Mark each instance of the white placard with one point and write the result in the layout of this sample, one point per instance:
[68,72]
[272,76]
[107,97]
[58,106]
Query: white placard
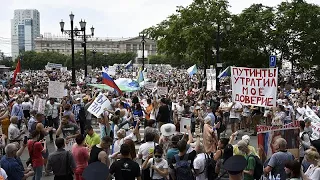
[63,69]
[99,104]
[184,122]
[112,70]
[134,73]
[254,86]
[149,85]
[211,79]
[42,106]
[94,80]
[144,103]
[162,90]
[315,122]
[174,105]
[36,103]
[56,89]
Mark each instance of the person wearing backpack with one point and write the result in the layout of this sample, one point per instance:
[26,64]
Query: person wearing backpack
[202,163]
[182,163]
[251,170]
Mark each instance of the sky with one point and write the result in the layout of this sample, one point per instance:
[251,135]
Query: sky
[111,18]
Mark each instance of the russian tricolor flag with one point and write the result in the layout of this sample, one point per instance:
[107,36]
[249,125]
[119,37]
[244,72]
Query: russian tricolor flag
[107,80]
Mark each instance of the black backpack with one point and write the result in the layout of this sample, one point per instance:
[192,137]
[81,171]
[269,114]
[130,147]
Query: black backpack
[258,168]
[183,170]
[210,168]
[82,114]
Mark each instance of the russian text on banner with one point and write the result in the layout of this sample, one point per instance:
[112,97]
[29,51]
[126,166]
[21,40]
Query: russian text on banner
[267,136]
[254,86]
[99,104]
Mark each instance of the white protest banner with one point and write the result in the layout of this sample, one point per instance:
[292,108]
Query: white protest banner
[254,86]
[112,70]
[42,106]
[310,114]
[144,103]
[63,69]
[149,85]
[36,103]
[211,79]
[99,104]
[174,105]
[315,122]
[184,122]
[162,90]
[56,89]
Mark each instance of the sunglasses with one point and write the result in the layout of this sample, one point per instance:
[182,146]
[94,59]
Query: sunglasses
[157,156]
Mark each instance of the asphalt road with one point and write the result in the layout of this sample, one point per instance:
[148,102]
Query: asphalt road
[51,148]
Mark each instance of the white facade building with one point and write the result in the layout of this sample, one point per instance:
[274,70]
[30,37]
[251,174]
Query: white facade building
[25,27]
[62,44]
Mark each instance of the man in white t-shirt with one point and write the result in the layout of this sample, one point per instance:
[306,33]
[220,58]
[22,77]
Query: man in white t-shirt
[300,110]
[235,115]
[199,165]
[289,112]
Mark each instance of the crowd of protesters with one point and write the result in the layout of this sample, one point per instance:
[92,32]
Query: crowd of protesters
[212,147]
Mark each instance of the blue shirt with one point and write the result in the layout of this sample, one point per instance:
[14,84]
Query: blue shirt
[13,168]
[171,152]
[212,117]
[75,111]
[17,111]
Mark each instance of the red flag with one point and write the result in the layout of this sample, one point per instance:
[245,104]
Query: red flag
[16,71]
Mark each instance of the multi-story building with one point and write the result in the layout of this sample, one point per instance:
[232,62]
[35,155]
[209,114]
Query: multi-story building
[25,27]
[62,44]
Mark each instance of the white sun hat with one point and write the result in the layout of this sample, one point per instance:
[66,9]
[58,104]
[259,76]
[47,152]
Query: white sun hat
[168,129]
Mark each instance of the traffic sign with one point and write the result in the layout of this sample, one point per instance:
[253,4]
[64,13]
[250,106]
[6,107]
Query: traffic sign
[273,61]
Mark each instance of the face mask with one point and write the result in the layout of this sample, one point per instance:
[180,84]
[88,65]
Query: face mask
[157,159]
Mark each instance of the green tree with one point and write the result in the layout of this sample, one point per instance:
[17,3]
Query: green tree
[191,32]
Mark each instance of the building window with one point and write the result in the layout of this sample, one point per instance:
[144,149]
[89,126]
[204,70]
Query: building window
[48,45]
[118,46]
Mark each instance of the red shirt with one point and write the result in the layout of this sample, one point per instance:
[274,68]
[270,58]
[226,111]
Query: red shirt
[37,159]
[81,155]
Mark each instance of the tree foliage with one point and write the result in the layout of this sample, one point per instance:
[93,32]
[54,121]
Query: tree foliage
[37,60]
[290,30]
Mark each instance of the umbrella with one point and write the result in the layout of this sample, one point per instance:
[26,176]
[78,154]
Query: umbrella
[96,171]
[102,86]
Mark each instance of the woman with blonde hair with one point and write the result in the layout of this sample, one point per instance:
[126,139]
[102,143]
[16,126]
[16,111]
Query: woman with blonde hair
[313,157]
[209,137]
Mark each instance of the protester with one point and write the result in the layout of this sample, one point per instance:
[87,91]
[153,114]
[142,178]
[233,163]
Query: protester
[36,148]
[61,162]
[158,165]
[92,138]
[313,157]
[279,159]
[15,135]
[100,151]
[293,169]
[52,115]
[125,168]
[13,168]
[81,156]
